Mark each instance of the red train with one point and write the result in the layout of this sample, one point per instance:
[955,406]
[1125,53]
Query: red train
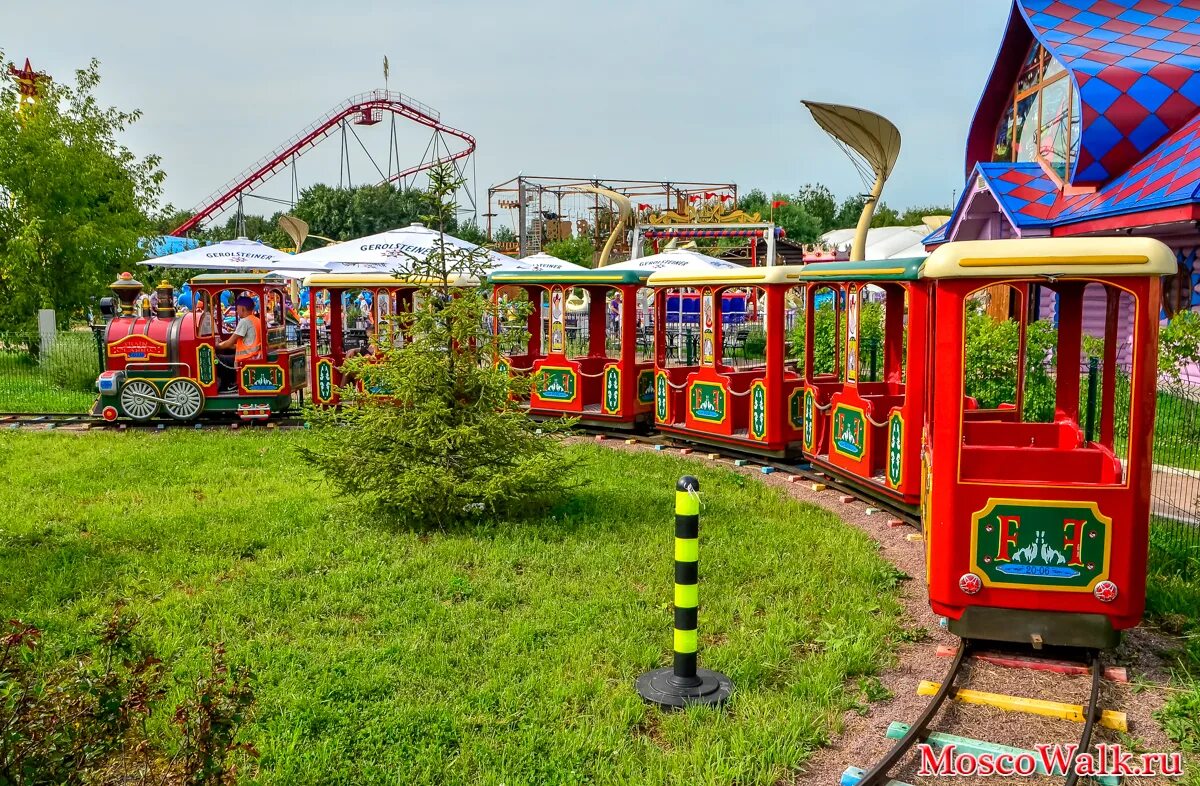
[1035,509]
[1035,505]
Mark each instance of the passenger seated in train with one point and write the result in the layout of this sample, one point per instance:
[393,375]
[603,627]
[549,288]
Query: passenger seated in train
[244,341]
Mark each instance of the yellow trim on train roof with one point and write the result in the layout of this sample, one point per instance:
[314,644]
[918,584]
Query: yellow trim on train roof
[1051,257]
[814,270]
[744,277]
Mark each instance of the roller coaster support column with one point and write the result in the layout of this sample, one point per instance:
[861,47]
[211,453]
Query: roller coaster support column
[683,683]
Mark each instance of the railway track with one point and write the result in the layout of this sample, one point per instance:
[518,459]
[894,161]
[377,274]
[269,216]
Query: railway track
[43,421]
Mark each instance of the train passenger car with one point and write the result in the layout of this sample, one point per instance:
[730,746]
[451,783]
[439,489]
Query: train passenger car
[1036,510]
[169,363]
[723,380]
[586,342]
[350,313]
[863,397]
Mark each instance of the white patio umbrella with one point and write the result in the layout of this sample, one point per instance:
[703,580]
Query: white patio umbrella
[677,260]
[541,261]
[240,254]
[395,249]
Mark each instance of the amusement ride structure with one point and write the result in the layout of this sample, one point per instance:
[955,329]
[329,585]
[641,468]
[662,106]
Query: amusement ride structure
[447,145]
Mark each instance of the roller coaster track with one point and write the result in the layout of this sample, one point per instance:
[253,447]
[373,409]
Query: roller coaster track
[365,106]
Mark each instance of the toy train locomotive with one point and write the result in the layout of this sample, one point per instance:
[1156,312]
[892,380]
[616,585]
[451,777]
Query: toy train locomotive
[169,364]
[1035,508]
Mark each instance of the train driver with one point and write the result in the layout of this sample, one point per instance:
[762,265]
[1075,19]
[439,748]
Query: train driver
[244,341]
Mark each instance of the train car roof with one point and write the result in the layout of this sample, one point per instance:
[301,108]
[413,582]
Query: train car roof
[1051,258]
[869,270]
[746,276]
[241,278]
[382,280]
[571,277]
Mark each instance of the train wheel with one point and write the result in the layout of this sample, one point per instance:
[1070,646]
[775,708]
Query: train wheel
[183,399]
[139,399]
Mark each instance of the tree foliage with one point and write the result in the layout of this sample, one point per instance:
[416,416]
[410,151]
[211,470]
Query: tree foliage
[74,202]
[573,249]
[434,436]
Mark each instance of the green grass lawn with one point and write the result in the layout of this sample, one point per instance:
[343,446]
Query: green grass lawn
[1172,602]
[496,654]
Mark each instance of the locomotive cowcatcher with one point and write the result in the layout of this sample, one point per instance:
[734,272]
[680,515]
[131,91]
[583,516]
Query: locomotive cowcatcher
[170,363]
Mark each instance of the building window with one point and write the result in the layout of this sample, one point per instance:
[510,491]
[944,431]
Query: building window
[1042,121]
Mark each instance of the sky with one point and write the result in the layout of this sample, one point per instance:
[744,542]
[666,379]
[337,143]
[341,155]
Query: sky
[704,90]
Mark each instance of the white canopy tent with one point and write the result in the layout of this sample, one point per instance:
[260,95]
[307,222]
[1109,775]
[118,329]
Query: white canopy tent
[239,254]
[679,260]
[395,250]
[539,261]
[883,242]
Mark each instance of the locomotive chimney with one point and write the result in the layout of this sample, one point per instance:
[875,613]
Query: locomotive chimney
[128,290]
[166,300]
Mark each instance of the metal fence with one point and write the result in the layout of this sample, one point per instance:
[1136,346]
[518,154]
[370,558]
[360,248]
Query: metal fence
[48,375]
[1175,488]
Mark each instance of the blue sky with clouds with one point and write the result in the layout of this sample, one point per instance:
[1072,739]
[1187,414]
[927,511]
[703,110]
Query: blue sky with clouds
[703,90]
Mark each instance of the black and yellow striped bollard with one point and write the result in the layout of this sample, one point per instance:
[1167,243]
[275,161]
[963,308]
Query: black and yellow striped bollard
[684,683]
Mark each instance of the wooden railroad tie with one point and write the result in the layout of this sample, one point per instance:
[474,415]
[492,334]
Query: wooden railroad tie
[937,741]
[766,470]
[660,447]
[1109,719]
[740,462]
[894,523]
[914,537]
[1110,673]
[846,499]
[631,442]
[818,487]
[714,456]
[794,478]
[599,437]
[686,451]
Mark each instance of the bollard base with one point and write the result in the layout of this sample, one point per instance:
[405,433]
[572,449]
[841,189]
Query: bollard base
[658,687]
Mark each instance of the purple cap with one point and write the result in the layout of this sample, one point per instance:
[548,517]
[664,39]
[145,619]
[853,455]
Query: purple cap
[245,302]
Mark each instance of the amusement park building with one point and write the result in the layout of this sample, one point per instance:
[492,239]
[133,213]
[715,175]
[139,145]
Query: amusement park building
[1090,125]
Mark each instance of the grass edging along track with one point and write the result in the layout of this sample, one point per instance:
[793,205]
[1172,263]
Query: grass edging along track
[504,653]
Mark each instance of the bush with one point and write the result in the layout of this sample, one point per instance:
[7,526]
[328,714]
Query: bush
[72,362]
[870,333]
[991,359]
[85,721]
[441,438]
[1179,343]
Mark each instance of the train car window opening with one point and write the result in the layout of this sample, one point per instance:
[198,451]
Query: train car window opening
[645,325]
[1038,403]
[202,313]
[1105,365]
[679,331]
[997,355]
[744,329]
[825,321]
[614,319]
[514,312]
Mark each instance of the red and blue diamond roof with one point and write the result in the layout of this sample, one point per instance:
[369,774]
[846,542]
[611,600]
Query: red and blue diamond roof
[1136,67]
